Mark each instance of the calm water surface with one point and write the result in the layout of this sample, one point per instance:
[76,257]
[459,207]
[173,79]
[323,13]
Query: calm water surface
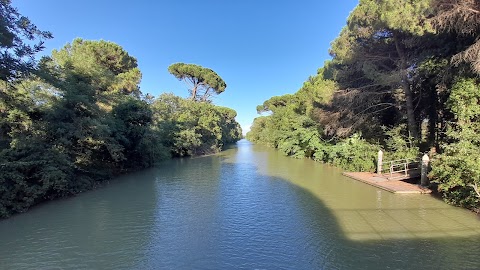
[246,208]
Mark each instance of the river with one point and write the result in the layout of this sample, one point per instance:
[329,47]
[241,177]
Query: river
[248,207]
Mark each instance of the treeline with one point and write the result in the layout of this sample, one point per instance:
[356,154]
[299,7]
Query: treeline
[404,77]
[78,117]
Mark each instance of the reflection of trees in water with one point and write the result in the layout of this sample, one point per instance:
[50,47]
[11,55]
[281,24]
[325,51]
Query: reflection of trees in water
[100,229]
[366,224]
[261,211]
[187,208]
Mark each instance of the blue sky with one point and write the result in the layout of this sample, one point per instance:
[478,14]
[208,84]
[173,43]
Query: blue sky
[260,48]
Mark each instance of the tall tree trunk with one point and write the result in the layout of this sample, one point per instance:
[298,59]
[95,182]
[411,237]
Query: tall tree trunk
[412,126]
[432,117]
[194,92]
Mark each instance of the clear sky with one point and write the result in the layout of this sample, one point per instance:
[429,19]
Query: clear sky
[261,48]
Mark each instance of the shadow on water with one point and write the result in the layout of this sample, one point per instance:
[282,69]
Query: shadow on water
[372,228]
[246,208]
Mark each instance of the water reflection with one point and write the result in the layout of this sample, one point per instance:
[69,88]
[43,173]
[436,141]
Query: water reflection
[90,229]
[364,212]
[247,208]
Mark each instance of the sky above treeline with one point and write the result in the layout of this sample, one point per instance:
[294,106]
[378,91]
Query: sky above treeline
[260,48]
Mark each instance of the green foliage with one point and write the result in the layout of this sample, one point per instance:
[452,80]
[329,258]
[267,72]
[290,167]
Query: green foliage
[400,145]
[316,91]
[194,128]
[20,40]
[131,122]
[377,57]
[401,75]
[464,101]
[296,135]
[31,173]
[404,74]
[81,120]
[105,66]
[258,131]
[203,82]
[458,166]
[455,170]
[290,129]
[350,154]
[398,15]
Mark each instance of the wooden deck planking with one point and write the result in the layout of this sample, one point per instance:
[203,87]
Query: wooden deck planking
[394,186]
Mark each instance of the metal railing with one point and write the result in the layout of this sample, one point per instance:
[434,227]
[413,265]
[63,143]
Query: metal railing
[401,169]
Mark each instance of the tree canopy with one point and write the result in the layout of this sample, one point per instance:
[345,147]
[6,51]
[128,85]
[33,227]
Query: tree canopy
[20,40]
[110,69]
[80,118]
[463,18]
[404,77]
[203,82]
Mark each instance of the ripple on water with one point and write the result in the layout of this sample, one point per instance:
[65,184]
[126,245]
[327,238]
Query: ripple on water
[246,208]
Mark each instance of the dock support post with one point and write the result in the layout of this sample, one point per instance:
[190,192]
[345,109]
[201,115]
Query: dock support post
[379,162]
[425,162]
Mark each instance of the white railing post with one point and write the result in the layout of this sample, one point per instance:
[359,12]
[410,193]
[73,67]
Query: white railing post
[424,171]
[379,162]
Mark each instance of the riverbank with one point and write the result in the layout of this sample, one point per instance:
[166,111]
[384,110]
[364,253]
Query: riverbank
[99,183]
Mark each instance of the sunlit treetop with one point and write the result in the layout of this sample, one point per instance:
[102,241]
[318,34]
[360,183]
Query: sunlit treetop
[203,82]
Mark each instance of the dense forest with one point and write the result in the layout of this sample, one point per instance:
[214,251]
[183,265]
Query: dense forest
[404,77]
[76,118]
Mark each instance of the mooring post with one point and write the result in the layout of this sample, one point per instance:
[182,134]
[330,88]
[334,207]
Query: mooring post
[379,162]
[425,162]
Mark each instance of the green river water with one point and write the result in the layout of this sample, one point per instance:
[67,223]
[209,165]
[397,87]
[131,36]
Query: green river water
[248,207]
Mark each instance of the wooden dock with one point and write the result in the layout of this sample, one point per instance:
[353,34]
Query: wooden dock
[394,186]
